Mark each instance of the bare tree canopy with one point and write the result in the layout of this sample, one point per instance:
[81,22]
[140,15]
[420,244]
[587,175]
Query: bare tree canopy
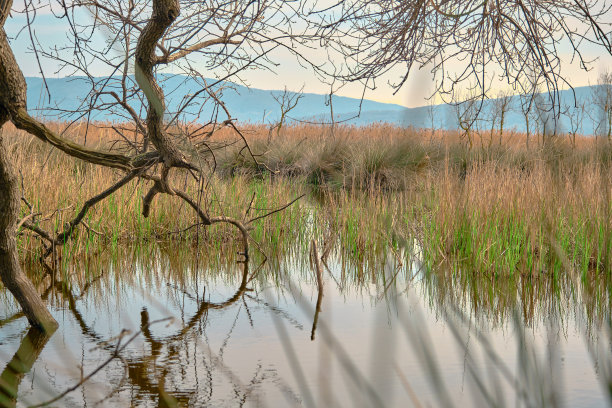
[141,36]
[524,41]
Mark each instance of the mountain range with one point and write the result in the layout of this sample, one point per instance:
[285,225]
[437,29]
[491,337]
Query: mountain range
[257,105]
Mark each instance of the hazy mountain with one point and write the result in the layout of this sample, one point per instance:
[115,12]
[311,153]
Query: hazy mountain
[257,105]
[245,104]
[445,116]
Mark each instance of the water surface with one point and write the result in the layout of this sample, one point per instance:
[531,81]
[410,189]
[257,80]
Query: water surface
[386,334]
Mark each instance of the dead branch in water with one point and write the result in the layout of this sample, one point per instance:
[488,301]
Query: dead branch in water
[319,274]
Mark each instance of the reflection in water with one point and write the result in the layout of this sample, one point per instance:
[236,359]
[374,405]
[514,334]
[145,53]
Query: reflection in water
[30,348]
[316,263]
[239,338]
[139,368]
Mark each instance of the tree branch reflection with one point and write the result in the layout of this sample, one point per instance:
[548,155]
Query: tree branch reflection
[30,348]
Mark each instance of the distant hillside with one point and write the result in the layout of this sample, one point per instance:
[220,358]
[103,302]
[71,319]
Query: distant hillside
[445,117]
[257,105]
[245,104]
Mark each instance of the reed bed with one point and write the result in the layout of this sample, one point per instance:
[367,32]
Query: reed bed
[498,209]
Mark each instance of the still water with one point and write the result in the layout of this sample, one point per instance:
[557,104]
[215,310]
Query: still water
[385,334]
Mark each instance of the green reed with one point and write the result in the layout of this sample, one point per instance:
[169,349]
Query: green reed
[498,211]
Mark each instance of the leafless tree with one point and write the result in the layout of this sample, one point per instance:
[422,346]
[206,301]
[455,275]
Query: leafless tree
[501,106]
[530,88]
[546,122]
[465,41]
[467,111]
[527,111]
[143,37]
[431,115]
[329,101]
[287,101]
[602,102]
[575,114]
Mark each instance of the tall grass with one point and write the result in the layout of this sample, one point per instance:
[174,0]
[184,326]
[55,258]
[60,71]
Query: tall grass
[498,210]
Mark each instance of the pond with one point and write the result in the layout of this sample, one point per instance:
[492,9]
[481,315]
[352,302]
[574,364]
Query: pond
[148,328]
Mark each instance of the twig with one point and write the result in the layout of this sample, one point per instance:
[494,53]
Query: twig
[91,229]
[24,220]
[407,387]
[275,211]
[118,349]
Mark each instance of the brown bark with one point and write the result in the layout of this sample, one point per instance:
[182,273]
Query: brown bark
[13,97]
[22,120]
[11,274]
[12,82]
[164,13]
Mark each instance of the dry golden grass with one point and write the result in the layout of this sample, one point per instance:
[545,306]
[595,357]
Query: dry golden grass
[497,208]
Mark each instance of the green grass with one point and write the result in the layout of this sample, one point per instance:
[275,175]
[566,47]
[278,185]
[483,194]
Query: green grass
[501,211]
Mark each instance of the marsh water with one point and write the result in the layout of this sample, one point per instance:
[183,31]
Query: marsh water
[159,329]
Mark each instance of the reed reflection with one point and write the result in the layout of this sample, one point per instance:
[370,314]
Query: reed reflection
[201,360]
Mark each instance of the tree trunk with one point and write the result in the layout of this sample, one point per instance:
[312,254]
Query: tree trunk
[12,98]
[501,126]
[164,14]
[11,274]
[609,115]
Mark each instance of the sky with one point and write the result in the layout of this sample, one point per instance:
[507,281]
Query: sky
[50,31]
